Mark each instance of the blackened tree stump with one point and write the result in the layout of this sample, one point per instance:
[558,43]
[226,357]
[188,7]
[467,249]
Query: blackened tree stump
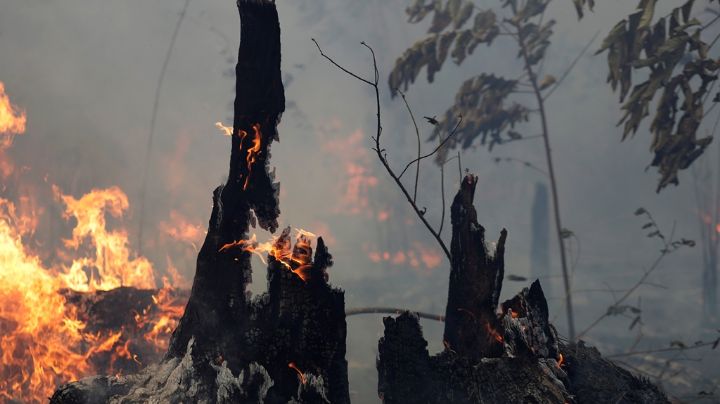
[284,346]
[507,353]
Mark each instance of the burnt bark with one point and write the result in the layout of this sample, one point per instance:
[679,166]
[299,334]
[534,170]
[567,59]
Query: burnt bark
[475,281]
[286,345]
[494,353]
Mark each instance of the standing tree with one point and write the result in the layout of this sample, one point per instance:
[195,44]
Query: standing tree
[490,104]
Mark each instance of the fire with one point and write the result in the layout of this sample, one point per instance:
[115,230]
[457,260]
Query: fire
[44,341]
[253,151]
[717,228]
[297,259]
[357,180]
[561,360]
[12,118]
[301,376]
[111,267]
[227,131]
[419,256]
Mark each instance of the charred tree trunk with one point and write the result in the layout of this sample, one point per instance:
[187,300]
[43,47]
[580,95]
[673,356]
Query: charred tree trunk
[475,281]
[494,354]
[287,345]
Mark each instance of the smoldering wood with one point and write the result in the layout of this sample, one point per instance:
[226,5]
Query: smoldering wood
[495,353]
[286,345]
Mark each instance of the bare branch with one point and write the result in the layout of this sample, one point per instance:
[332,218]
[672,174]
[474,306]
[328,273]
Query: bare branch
[381,153]
[391,310]
[419,143]
[460,119]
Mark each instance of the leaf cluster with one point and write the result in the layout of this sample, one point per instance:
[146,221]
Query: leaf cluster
[457,27]
[671,59]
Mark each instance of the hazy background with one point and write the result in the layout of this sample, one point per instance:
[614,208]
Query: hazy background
[86,73]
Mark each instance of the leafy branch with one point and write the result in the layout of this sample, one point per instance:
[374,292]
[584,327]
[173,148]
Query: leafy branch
[669,246]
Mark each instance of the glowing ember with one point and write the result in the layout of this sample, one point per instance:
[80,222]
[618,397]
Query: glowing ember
[12,119]
[301,376]
[560,360]
[499,338]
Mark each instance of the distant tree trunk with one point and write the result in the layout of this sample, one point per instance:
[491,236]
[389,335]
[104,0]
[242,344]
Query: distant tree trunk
[707,199]
[540,245]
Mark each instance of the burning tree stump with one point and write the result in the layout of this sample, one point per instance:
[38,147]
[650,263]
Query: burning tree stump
[505,354]
[287,345]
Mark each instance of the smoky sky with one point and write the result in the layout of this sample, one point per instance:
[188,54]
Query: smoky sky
[85,72]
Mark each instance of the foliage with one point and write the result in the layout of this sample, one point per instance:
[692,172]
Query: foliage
[672,58]
[484,100]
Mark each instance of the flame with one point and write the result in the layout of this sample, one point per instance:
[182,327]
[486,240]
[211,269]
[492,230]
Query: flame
[297,259]
[226,130]
[301,376]
[12,119]
[253,151]
[419,256]
[44,338]
[561,360]
[44,341]
[111,267]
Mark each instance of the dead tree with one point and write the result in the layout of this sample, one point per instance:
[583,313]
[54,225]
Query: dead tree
[495,353]
[287,345]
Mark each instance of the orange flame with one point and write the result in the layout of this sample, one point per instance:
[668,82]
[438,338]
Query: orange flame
[112,266]
[301,376]
[561,360]
[253,151]
[297,260]
[12,119]
[43,339]
[226,130]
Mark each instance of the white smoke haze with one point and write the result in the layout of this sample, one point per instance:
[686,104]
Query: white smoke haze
[86,71]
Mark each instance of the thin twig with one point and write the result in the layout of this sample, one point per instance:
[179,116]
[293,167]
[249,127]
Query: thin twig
[572,66]
[661,350]
[668,248]
[381,153]
[391,310]
[442,191]
[460,119]
[419,143]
